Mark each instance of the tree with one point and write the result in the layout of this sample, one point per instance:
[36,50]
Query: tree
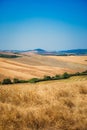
[34,80]
[47,78]
[6,81]
[65,75]
[57,76]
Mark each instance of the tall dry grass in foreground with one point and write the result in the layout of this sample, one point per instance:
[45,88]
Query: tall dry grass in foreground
[54,105]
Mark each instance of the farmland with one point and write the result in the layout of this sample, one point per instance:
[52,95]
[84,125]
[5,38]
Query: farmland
[32,65]
[49,105]
[46,105]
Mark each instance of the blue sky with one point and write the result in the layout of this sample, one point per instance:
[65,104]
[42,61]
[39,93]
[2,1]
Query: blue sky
[47,24]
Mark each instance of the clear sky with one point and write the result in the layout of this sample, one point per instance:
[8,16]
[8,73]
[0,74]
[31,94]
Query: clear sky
[47,24]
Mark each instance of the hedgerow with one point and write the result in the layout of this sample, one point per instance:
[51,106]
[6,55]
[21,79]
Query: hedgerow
[45,78]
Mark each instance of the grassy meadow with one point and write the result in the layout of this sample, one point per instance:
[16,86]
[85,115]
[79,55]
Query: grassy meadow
[49,105]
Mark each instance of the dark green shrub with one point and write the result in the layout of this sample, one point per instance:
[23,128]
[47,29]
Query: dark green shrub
[6,81]
[19,81]
[84,72]
[47,78]
[16,80]
[23,81]
[77,74]
[56,77]
[65,75]
[8,56]
[34,80]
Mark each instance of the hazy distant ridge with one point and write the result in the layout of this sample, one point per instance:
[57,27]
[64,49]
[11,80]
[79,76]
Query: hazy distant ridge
[45,52]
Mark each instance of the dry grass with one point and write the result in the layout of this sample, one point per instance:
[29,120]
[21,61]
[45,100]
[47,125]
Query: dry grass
[26,67]
[13,69]
[74,59]
[52,105]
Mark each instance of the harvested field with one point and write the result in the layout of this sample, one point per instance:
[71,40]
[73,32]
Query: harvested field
[29,66]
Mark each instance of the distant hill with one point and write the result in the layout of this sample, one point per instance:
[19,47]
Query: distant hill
[39,51]
[75,52]
[45,52]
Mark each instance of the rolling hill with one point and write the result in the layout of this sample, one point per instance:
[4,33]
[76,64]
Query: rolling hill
[49,105]
[30,65]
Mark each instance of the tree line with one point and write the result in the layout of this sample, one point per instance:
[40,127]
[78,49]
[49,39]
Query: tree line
[45,78]
[8,56]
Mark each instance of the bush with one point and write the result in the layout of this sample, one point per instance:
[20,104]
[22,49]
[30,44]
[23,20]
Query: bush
[84,72]
[65,75]
[8,56]
[56,77]
[19,81]
[34,80]
[16,80]
[6,81]
[77,74]
[23,81]
[47,78]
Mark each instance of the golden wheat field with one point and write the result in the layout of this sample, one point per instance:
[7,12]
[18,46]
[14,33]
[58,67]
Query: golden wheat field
[32,65]
[50,105]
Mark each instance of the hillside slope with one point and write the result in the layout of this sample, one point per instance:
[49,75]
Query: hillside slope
[29,66]
[51,105]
